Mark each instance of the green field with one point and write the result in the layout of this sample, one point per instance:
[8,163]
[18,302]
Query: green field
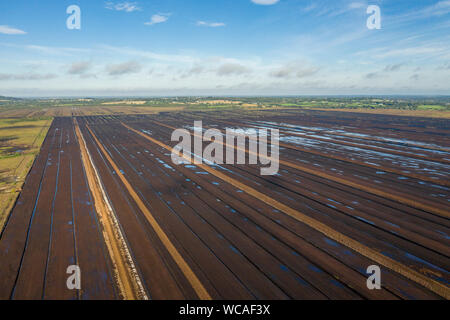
[432,107]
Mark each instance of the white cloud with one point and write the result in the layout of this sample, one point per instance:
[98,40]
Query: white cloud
[158,18]
[10,30]
[309,8]
[79,68]
[147,54]
[393,67]
[123,68]
[440,8]
[228,69]
[49,50]
[27,76]
[210,24]
[413,51]
[296,69]
[340,9]
[265,2]
[56,50]
[372,75]
[356,5]
[122,6]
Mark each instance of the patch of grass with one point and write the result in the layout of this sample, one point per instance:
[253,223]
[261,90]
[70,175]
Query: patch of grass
[431,107]
[20,142]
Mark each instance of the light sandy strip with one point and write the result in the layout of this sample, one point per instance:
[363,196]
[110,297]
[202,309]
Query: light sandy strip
[379,258]
[182,264]
[407,201]
[126,275]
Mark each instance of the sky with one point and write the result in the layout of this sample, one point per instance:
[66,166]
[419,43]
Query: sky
[224,47]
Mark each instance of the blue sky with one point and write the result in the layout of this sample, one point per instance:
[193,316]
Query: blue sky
[224,47]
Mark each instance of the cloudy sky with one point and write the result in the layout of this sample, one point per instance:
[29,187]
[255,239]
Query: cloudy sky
[224,47]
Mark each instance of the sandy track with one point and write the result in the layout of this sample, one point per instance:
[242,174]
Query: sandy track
[128,280]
